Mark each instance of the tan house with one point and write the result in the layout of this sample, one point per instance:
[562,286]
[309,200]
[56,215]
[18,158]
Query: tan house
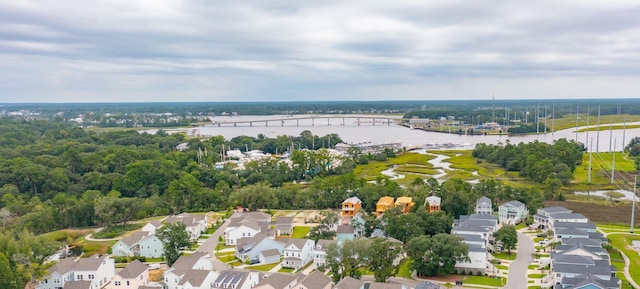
[385,203]
[350,207]
[405,204]
[433,204]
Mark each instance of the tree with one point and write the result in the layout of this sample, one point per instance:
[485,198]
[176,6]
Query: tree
[436,255]
[381,257]
[5,216]
[174,238]
[508,236]
[344,260]
[323,230]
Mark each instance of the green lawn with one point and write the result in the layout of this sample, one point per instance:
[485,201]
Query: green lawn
[569,120]
[300,231]
[264,267]
[115,231]
[610,228]
[222,246]
[285,270]
[404,271]
[532,267]
[235,263]
[622,242]
[505,256]
[228,258]
[537,276]
[485,280]
[502,267]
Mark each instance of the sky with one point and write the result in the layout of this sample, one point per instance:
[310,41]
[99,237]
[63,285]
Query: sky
[203,50]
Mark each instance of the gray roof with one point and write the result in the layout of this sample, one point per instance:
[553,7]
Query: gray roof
[583,269]
[476,248]
[135,238]
[284,221]
[156,223]
[277,280]
[478,229]
[195,277]
[377,285]
[299,243]
[83,284]
[483,200]
[427,285]
[482,217]
[573,259]
[248,221]
[260,216]
[471,238]
[270,252]
[586,279]
[515,203]
[90,264]
[582,226]
[323,243]
[186,263]
[345,229]
[478,222]
[349,283]
[583,242]
[62,267]
[232,277]
[571,231]
[573,216]
[353,200]
[554,210]
[317,279]
[133,270]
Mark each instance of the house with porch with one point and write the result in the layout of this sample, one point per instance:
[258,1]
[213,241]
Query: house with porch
[350,207]
[136,274]
[512,213]
[484,206]
[298,253]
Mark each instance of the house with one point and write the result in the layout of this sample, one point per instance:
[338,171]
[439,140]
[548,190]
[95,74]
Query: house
[349,283]
[195,261]
[151,227]
[357,222]
[298,253]
[405,204]
[269,256]
[284,226]
[345,232]
[277,281]
[477,263]
[432,203]
[249,249]
[236,279]
[98,270]
[142,243]
[427,285]
[383,204]
[58,275]
[484,206]
[512,213]
[350,207]
[589,281]
[133,276]
[316,280]
[198,279]
[241,228]
[320,253]
[378,285]
[194,224]
[259,216]
[542,219]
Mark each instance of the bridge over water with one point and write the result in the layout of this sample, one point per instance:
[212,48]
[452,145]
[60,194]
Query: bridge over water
[320,120]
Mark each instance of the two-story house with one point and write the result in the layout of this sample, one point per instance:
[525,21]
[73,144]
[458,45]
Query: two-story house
[195,261]
[320,253]
[194,224]
[315,280]
[512,213]
[239,228]
[58,275]
[405,204]
[136,274]
[350,207]
[249,249]
[141,243]
[484,206]
[236,279]
[433,203]
[383,204]
[94,272]
[198,279]
[284,226]
[298,253]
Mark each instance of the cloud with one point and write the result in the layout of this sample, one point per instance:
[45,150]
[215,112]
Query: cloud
[149,50]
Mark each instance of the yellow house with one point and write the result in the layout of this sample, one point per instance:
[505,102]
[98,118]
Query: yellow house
[385,203]
[405,204]
[351,206]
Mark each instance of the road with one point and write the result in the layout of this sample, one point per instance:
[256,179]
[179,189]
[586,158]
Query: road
[518,269]
[210,244]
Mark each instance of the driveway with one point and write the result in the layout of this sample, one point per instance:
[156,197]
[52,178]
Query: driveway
[518,269]
[209,246]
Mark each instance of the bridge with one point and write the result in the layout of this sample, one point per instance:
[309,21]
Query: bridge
[364,120]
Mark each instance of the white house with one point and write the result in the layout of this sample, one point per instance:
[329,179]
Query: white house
[133,276]
[241,228]
[298,253]
[139,244]
[284,226]
[512,213]
[250,248]
[198,279]
[195,261]
[194,224]
[484,206]
[58,275]
[320,253]
[92,273]
[477,261]
[315,280]
[236,279]
[151,227]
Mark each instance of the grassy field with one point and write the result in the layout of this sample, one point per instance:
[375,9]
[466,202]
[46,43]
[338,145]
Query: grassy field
[569,120]
[264,267]
[622,242]
[66,235]
[505,256]
[404,271]
[600,211]
[115,231]
[484,280]
[300,231]
[405,162]
[604,127]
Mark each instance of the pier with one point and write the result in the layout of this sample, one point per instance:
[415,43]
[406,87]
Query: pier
[320,120]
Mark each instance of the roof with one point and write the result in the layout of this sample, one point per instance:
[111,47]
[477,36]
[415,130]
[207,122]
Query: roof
[84,284]
[482,217]
[568,216]
[571,231]
[582,226]
[585,279]
[317,279]
[515,203]
[404,200]
[345,229]
[427,285]
[483,200]
[246,244]
[554,210]
[133,270]
[62,267]
[299,243]
[349,283]
[232,277]
[385,201]
[476,248]
[90,264]
[156,223]
[185,263]
[434,200]
[194,277]
[277,280]
[249,222]
[270,252]
[256,215]
[471,238]
[284,221]
[583,242]
[573,259]
[377,285]
[352,200]
[135,238]
[323,243]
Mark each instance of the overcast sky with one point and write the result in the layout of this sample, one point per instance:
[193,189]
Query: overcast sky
[203,50]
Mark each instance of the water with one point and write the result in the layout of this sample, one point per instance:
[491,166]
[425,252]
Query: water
[382,133]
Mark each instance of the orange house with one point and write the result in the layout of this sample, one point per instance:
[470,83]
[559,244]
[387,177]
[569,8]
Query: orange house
[433,204]
[385,203]
[350,207]
[405,204]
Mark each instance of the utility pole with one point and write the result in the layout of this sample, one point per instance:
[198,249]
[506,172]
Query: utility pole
[598,133]
[590,159]
[613,164]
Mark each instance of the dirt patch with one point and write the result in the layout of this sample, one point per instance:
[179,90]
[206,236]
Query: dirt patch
[600,213]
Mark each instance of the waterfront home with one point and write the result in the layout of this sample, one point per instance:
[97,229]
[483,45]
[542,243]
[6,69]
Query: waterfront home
[512,213]
[484,206]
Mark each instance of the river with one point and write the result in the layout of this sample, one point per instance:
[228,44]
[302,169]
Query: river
[350,131]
